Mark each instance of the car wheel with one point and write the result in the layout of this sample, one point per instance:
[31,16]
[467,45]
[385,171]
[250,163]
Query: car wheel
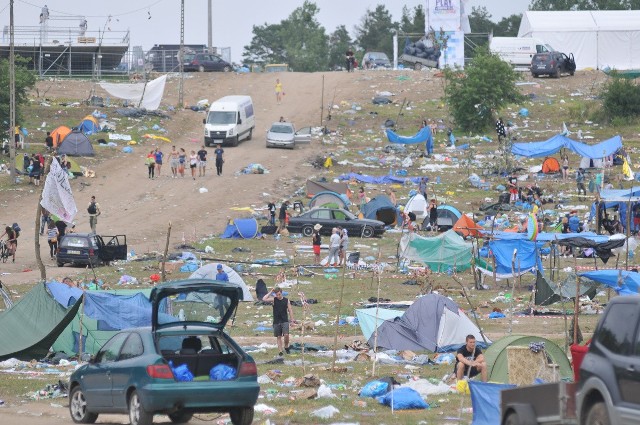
[201,68]
[571,73]
[226,69]
[235,141]
[137,414]
[78,407]
[598,415]
[307,231]
[512,419]
[556,74]
[367,232]
[250,134]
[60,263]
[417,66]
[180,417]
[535,75]
[241,416]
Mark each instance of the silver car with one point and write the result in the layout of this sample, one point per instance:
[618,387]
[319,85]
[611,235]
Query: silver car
[284,134]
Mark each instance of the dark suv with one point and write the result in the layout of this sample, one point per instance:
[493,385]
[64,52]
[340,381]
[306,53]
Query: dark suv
[202,62]
[610,371]
[552,64]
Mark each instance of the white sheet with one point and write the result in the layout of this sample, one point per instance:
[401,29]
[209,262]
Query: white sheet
[148,97]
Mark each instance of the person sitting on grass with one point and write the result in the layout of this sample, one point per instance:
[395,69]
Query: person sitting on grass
[470,360]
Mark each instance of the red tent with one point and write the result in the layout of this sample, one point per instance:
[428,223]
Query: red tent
[465,226]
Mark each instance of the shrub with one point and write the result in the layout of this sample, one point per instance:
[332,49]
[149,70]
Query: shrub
[620,98]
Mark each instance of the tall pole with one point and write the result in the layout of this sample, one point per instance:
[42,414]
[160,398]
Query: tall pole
[209,21]
[181,57]
[12,99]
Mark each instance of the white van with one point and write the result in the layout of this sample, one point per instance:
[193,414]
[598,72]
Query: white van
[229,120]
[518,51]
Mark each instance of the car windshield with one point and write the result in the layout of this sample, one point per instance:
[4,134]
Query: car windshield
[189,57]
[378,56]
[193,306]
[77,242]
[279,128]
[221,117]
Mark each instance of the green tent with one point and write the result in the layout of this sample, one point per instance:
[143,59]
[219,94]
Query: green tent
[496,356]
[93,338]
[30,327]
[440,253]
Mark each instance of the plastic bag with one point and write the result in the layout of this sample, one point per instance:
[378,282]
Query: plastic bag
[182,372]
[403,398]
[374,389]
[325,412]
[222,372]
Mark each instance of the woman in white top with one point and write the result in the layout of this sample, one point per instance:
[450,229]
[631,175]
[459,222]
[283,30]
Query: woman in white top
[193,163]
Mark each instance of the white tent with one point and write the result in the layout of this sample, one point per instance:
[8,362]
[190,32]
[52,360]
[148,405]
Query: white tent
[209,271]
[417,204]
[597,38]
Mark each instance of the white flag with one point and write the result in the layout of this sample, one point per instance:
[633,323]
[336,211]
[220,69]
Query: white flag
[57,197]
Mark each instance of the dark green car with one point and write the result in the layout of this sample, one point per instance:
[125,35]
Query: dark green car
[183,364]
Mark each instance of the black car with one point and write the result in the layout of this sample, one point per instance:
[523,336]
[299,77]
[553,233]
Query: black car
[202,62]
[552,64]
[83,249]
[334,217]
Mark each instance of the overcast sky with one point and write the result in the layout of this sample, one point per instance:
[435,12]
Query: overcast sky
[158,21]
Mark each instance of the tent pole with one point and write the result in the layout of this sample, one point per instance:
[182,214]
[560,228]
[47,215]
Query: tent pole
[335,335]
[473,309]
[166,251]
[80,328]
[513,288]
[375,335]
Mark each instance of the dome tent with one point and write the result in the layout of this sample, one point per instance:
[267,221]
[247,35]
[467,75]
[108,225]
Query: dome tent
[209,271]
[496,356]
[550,165]
[59,134]
[76,144]
[380,208]
[329,199]
[241,228]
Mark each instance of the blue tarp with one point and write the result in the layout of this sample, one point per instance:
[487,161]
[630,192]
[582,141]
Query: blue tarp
[630,280]
[118,311]
[547,237]
[526,258]
[485,400]
[64,294]
[370,209]
[559,141]
[388,179]
[422,136]
[241,228]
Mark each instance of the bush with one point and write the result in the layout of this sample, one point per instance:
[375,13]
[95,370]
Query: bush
[487,84]
[620,98]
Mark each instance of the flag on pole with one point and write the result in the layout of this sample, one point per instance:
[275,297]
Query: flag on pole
[57,197]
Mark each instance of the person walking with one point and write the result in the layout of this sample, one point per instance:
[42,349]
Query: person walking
[94,211]
[580,182]
[193,164]
[565,167]
[362,198]
[501,130]
[282,315]
[158,157]
[279,91]
[182,161]
[221,275]
[334,247]
[48,142]
[219,153]
[52,238]
[422,187]
[344,245]
[271,206]
[45,219]
[282,217]
[151,164]
[202,162]
[433,215]
[316,241]
[173,162]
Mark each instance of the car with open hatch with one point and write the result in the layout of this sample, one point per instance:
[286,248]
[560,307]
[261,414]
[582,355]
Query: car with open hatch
[329,218]
[552,64]
[90,249]
[284,135]
[182,364]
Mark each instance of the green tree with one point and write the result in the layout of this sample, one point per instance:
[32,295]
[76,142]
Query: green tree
[487,84]
[305,40]
[620,98]
[480,20]
[266,45]
[553,5]
[413,22]
[375,31]
[339,43]
[508,27]
[25,81]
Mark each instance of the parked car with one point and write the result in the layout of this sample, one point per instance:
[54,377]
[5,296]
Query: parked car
[202,62]
[284,135]
[552,64]
[372,60]
[277,67]
[136,371]
[84,249]
[334,217]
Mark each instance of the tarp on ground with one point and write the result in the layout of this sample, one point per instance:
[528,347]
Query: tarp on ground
[330,199]
[622,281]
[59,134]
[209,271]
[441,253]
[76,143]
[559,141]
[433,323]
[548,293]
[32,325]
[496,356]
[465,226]
[485,401]
[386,179]
[380,208]
[315,187]
[147,95]
[367,318]
[241,228]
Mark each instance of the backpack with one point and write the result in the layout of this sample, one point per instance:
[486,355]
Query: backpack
[92,208]
[17,229]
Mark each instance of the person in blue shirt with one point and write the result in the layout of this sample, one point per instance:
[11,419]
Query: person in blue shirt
[221,275]
[219,153]
[574,222]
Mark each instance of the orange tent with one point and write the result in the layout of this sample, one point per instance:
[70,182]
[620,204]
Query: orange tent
[465,226]
[59,134]
[550,165]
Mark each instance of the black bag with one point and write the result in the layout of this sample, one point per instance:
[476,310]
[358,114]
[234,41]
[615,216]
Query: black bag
[92,208]
[16,228]
[269,230]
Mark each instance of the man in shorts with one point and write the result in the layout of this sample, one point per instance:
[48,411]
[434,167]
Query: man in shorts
[202,163]
[469,356]
[282,314]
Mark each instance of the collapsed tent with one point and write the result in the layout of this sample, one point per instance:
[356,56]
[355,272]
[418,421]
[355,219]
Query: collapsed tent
[603,249]
[241,228]
[465,226]
[433,323]
[547,293]
[209,271]
[315,187]
[88,125]
[146,95]
[387,179]
[559,141]
[32,325]
[330,199]
[624,282]
[550,165]
[440,253]
[380,208]
[526,259]
[59,134]
[369,322]
[76,143]
[496,356]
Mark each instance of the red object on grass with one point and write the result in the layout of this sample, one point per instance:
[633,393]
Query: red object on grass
[577,355]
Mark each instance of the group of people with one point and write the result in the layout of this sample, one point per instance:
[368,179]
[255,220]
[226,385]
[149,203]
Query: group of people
[338,245]
[178,160]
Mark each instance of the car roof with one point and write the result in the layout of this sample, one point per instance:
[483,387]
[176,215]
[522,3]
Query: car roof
[288,124]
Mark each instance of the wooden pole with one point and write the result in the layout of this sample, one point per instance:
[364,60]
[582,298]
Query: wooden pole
[335,335]
[322,101]
[166,251]
[473,309]
[375,335]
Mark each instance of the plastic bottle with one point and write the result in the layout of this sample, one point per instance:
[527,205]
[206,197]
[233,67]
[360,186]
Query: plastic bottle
[438,180]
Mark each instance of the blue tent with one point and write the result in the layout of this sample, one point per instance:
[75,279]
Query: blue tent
[88,126]
[241,228]
[422,136]
[629,281]
[380,208]
[618,198]
[559,141]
